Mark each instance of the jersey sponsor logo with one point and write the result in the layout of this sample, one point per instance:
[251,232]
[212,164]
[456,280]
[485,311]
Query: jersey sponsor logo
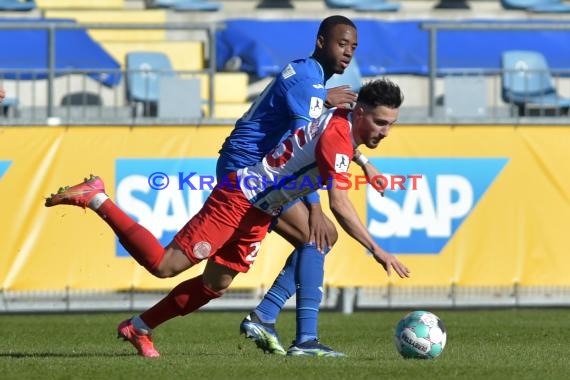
[318,86]
[288,72]
[425,219]
[341,163]
[316,107]
[162,212]
[4,165]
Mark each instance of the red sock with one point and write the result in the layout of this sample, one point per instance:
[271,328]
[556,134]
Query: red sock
[185,298]
[136,239]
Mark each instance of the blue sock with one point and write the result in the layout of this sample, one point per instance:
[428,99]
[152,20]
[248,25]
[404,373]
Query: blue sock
[281,290]
[309,280]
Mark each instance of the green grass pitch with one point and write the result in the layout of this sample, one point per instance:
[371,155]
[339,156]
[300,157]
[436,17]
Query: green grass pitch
[482,344]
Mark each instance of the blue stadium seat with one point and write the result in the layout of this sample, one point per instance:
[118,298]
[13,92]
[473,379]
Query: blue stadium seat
[144,70]
[351,76]
[17,5]
[376,6]
[364,5]
[341,3]
[550,8]
[537,6]
[527,83]
[188,5]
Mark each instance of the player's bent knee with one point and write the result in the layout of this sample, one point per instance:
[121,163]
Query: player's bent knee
[218,277]
[173,263]
[162,272]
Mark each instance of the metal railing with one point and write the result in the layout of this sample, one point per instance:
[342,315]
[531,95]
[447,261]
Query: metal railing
[51,71]
[41,96]
[434,27]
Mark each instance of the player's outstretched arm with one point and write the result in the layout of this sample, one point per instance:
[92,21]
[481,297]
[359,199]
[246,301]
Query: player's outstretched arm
[346,215]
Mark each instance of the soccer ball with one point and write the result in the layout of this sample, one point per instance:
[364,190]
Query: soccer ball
[420,335]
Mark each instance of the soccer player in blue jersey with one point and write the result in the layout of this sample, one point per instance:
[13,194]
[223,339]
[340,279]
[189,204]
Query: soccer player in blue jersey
[296,96]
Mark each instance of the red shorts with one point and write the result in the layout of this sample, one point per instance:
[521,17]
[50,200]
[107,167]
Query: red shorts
[228,229]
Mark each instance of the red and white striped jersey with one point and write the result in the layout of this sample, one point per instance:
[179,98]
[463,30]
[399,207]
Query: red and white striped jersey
[305,161]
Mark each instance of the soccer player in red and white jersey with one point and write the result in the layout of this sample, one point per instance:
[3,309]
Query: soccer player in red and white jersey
[228,230]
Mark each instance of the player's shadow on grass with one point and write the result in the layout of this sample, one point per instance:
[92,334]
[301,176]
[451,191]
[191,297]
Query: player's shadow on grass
[28,355]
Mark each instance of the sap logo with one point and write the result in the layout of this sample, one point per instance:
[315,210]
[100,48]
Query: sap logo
[4,165]
[162,212]
[423,220]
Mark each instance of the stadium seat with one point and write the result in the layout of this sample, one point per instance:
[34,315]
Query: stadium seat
[184,55]
[376,6]
[523,4]
[144,70]
[351,76]
[17,5]
[272,4]
[364,5]
[550,8]
[187,5]
[537,6]
[340,3]
[82,98]
[528,85]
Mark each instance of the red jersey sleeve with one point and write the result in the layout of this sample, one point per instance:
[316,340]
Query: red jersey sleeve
[334,151]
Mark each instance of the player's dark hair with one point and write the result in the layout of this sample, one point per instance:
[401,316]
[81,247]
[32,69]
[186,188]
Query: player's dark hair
[330,22]
[381,92]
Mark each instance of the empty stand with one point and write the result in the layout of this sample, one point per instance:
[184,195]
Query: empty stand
[340,3]
[123,16]
[269,4]
[187,5]
[184,55]
[528,84]
[376,6]
[537,6]
[558,7]
[17,5]
[364,5]
[144,70]
[82,98]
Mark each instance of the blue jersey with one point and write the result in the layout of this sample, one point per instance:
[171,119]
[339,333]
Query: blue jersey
[294,97]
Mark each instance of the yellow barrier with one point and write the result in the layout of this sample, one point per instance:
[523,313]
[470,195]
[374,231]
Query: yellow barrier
[492,211]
